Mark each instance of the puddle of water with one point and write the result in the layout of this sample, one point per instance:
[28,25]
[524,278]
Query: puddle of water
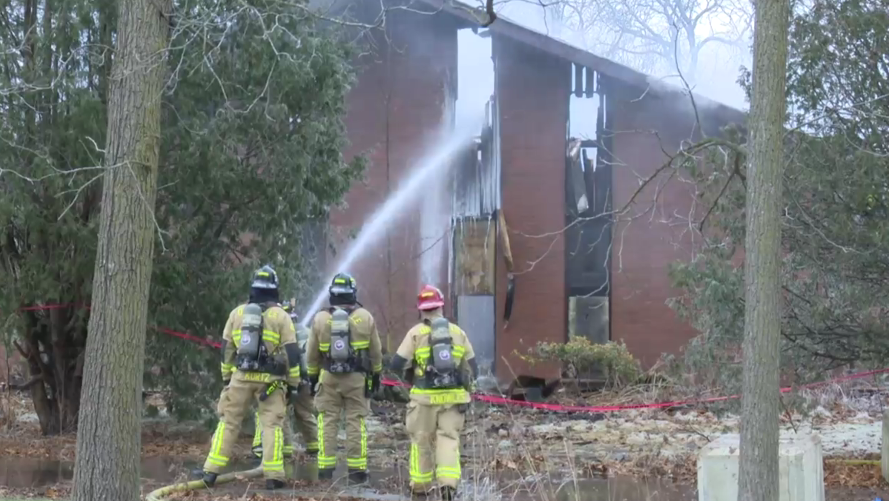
[391,484]
[20,473]
[387,485]
[23,472]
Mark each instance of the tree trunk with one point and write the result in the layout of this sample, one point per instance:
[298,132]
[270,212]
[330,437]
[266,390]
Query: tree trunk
[762,316]
[54,353]
[108,438]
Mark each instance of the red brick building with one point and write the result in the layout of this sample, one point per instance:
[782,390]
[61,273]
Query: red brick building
[573,258]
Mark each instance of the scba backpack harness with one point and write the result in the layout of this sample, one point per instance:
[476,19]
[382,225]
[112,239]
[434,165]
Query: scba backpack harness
[252,354]
[441,367]
[342,358]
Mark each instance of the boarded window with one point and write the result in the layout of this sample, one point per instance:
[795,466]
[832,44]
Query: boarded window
[474,251]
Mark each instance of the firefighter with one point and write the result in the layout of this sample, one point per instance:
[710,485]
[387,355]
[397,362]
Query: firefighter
[344,359]
[443,369]
[303,407]
[260,361]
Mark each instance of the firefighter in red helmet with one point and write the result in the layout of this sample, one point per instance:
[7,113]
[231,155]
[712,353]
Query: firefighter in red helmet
[440,357]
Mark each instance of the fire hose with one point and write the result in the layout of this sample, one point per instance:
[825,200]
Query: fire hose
[159,494]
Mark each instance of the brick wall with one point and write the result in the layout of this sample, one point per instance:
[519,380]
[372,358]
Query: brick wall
[399,100]
[403,94]
[533,93]
[658,235]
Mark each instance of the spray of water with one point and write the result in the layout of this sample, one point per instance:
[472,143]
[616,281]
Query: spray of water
[446,144]
[434,224]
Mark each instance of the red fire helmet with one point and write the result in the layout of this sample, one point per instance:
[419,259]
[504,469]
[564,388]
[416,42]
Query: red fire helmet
[429,298]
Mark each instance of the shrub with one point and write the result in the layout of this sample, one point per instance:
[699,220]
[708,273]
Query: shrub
[580,356]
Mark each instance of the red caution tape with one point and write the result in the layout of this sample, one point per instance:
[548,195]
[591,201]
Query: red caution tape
[189,337]
[495,400]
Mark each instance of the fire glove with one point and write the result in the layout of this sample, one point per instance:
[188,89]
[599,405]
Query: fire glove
[269,389]
[313,383]
[375,383]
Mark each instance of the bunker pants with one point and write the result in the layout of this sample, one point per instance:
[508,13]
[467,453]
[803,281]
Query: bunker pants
[435,444]
[306,424]
[342,393]
[257,436]
[234,403]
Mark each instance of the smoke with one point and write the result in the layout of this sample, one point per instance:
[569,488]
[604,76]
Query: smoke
[475,74]
[717,68]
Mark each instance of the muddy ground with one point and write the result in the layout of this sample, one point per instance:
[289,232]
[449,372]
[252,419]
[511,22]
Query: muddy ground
[508,452]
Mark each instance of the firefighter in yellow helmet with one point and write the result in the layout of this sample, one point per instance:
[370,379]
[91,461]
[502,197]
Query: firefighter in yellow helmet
[443,369]
[345,359]
[303,407]
[260,362]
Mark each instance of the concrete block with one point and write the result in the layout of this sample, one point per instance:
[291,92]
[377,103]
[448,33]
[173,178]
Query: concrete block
[800,469]
[884,448]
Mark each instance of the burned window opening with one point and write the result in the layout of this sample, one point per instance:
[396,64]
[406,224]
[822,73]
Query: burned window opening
[588,210]
[476,198]
[476,178]
[475,73]
[476,175]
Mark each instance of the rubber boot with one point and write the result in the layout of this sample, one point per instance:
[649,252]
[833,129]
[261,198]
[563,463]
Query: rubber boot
[273,484]
[325,474]
[448,493]
[209,479]
[358,477]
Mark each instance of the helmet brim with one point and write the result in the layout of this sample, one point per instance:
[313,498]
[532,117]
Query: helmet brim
[341,290]
[430,305]
[262,284]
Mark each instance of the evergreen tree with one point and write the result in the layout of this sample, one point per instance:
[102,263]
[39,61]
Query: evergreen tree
[250,148]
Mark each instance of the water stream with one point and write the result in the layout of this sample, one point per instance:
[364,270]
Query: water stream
[446,143]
